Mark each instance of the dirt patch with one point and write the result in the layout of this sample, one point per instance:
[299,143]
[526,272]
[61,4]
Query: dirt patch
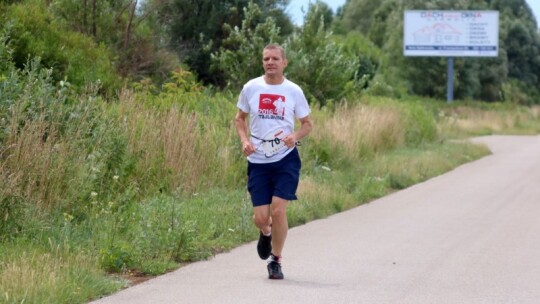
[136,277]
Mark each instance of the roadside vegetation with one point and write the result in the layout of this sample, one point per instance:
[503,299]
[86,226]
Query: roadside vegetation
[129,167]
[95,193]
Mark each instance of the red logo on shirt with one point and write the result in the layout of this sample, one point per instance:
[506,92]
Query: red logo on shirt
[270,104]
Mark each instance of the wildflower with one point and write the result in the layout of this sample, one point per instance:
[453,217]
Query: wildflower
[68,217]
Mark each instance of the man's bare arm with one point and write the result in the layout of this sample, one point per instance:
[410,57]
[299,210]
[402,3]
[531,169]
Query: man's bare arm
[305,128]
[240,122]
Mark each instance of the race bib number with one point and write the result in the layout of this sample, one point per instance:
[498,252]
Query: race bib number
[273,143]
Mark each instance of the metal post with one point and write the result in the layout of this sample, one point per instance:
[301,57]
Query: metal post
[450,85]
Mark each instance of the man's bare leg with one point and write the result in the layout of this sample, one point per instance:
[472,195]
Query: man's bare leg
[280,225]
[262,218]
[263,221]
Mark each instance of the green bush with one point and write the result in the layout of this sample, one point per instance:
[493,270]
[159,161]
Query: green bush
[71,56]
[12,216]
[240,57]
[368,54]
[420,124]
[516,92]
[321,66]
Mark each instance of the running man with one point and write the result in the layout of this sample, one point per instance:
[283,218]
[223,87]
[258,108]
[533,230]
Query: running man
[272,103]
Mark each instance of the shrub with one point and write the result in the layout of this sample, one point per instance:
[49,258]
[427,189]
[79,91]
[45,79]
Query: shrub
[420,124]
[368,54]
[240,57]
[320,65]
[72,56]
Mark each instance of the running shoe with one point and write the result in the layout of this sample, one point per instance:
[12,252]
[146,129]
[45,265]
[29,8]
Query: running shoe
[264,246]
[274,271]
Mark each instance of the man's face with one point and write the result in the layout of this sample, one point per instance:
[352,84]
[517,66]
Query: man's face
[273,63]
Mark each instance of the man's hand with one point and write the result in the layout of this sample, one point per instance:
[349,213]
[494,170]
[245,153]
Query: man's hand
[305,128]
[290,140]
[247,148]
[241,128]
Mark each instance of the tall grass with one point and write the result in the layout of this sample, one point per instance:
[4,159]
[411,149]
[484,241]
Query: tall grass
[36,158]
[182,147]
[55,274]
[360,131]
[473,120]
[363,130]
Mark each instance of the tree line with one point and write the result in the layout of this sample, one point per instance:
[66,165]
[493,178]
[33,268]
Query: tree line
[354,50]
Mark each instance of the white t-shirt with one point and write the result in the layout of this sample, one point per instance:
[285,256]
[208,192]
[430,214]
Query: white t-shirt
[272,110]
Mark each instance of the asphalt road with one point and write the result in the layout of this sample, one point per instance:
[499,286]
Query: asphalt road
[471,235]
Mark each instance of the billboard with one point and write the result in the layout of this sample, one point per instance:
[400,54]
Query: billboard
[451,33]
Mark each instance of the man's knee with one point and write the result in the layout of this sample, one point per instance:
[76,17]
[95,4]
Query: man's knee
[279,208]
[261,216]
[261,219]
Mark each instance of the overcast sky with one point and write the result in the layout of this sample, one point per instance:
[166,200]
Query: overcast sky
[295,8]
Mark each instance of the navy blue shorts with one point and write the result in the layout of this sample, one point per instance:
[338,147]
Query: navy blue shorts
[274,179]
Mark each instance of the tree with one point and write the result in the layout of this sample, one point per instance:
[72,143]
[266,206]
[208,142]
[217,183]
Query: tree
[239,57]
[321,66]
[195,28]
[520,41]
[522,44]
[71,56]
[358,14]
[516,68]
[381,21]
[320,12]
[123,25]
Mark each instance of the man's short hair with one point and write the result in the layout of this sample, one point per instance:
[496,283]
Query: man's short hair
[275,46]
